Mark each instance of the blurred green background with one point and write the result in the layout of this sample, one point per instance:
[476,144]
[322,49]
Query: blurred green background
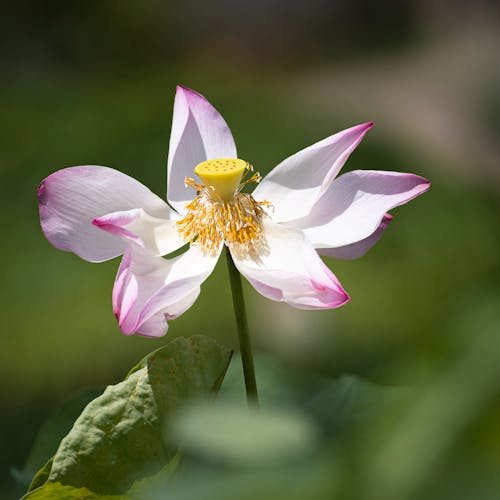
[93,83]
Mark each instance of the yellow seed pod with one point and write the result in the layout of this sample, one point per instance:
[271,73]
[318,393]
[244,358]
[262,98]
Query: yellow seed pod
[223,174]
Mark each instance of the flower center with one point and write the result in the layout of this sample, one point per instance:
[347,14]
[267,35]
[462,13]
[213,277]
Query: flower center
[224,175]
[221,213]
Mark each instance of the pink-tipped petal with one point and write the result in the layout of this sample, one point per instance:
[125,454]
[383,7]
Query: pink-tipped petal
[124,294]
[355,204]
[198,133]
[157,325]
[157,236]
[70,199]
[289,270]
[358,249]
[150,290]
[294,186]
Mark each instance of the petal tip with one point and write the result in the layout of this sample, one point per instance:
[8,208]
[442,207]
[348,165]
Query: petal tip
[188,92]
[422,184]
[336,294]
[122,325]
[127,327]
[40,192]
[127,334]
[362,127]
[342,300]
[346,298]
[97,222]
[182,88]
[426,183]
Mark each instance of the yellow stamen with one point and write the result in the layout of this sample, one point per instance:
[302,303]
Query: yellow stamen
[221,213]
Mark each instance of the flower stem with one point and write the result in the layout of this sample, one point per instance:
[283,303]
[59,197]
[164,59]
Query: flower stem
[243,334]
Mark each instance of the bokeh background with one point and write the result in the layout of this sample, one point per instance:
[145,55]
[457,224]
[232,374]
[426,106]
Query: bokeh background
[93,83]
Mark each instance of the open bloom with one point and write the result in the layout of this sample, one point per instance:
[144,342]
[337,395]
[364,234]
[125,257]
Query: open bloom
[299,210]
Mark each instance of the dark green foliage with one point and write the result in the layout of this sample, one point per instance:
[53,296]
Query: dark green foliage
[119,437]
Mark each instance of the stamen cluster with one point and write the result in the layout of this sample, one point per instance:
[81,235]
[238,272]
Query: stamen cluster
[211,221]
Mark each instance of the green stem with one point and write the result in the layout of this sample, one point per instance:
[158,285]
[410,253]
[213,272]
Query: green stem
[243,334]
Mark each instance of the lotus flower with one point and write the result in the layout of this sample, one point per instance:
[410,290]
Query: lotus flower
[275,234]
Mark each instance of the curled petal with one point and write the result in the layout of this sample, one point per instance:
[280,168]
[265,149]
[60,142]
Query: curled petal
[157,325]
[198,133]
[358,249]
[157,236]
[150,290]
[70,199]
[353,207]
[296,183]
[288,269]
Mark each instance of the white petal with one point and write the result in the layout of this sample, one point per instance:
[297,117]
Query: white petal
[290,270]
[157,236]
[149,290]
[297,182]
[353,207]
[358,249]
[70,199]
[157,325]
[198,133]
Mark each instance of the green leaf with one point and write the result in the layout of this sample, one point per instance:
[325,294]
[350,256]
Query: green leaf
[119,437]
[42,476]
[333,402]
[57,491]
[142,363]
[350,400]
[160,479]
